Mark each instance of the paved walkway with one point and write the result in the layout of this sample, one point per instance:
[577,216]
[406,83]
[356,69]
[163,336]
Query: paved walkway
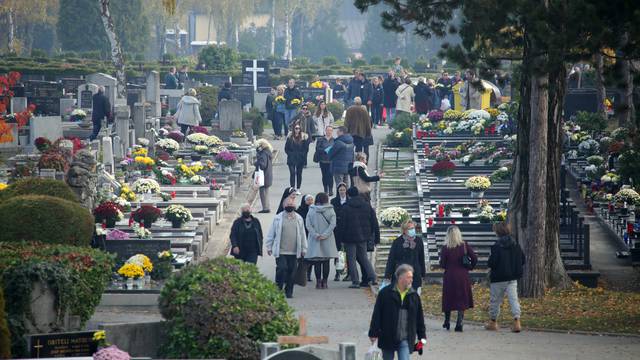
[343,314]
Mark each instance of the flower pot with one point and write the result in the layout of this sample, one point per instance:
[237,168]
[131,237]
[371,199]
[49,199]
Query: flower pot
[176,224]
[147,279]
[129,283]
[138,282]
[477,194]
[111,223]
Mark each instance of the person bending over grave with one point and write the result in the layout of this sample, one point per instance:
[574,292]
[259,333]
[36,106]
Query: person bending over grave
[246,237]
[287,242]
[188,112]
[101,109]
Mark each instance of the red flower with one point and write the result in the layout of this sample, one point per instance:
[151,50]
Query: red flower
[443,168]
[173,194]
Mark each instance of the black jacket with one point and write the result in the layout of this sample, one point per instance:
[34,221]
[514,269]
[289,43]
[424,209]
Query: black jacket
[354,89]
[506,260]
[225,93]
[389,87]
[101,107]
[366,91]
[399,255]
[321,145]
[289,95]
[384,321]
[297,151]
[270,107]
[237,230]
[377,97]
[339,91]
[360,222]
[170,81]
[337,231]
[422,93]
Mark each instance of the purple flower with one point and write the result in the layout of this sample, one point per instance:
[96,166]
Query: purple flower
[226,156]
[117,235]
[176,135]
[435,115]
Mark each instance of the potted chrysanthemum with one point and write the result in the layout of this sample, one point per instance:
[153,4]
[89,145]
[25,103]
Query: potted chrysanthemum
[178,215]
[108,213]
[477,185]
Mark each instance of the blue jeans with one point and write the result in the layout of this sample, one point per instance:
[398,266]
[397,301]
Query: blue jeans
[376,114]
[391,113]
[288,115]
[403,352]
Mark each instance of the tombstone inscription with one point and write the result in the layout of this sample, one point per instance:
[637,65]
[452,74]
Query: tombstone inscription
[242,93]
[255,73]
[45,95]
[124,249]
[70,344]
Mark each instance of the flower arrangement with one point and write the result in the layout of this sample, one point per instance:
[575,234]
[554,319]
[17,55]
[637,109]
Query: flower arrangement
[493,112]
[146,214]
[141,260]
[628,196]
[126,193]
[42,144]
[226,158]
[466,211]
[477,183]
[108,211]
[296,102]
[116,234]
[111,353]
[78,114]
[53,160]
[3,186]
[140,151]
[165,177]
[500,216]
[610,178]
[143,141]
[197,138]
[198,180]
[435,115]
[165,255]
[214,185]
[168,145]
[217,150]
[452,115]
[144,162]
[122,203]
[239,133]
[200,129]
[100,337]
[280,99]
[163,268]
[165,196]
[596,160]
[486,214]
[201,149]
[177,213]
[443,168]
[141,231]
[131,271]
[176,135]
[503,173]
[620,134]
[394,216]
[212,141]
[144,185]
[589,147]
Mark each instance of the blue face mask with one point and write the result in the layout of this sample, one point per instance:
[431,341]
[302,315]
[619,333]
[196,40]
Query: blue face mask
[411,232]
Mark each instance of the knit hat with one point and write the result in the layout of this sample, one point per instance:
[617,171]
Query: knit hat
[352,191]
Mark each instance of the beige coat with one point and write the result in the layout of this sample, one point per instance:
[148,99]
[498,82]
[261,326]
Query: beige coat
[188,111]
[405,97]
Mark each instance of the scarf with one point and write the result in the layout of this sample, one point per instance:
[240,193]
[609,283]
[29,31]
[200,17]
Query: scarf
[343,200]
[408,242]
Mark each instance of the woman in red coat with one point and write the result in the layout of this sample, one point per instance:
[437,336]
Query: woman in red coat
[456,285]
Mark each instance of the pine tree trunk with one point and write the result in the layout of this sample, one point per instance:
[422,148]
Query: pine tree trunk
[273,28]
[602,92]
[116,50]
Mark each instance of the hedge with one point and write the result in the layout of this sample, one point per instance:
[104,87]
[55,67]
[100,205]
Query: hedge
[45,219]
[5,336]
[38,186]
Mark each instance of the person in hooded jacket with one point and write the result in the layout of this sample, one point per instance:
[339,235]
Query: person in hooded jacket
[359,227]
[506,263]
[320,222]
[341,156]
[360,177]
[188,112]
[264,162]
[246,236]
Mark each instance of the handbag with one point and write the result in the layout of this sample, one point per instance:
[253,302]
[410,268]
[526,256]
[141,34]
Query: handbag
[466,259]
[258,178]
[300,277]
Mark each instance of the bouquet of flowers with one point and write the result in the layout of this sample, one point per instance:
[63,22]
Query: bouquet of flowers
[452,115]
[140,151]
[144,162]
[596,160]
[477,183]
[143,141]
[200,129]
[176,135]
[131,271]
[214,185]
[177,213]
[394,216]
[589,147]
[116,234]
[122,203]
[502,173]
[435,115]
[610,178]
[238,133]
[620,134]
[146,214]
[296,102]
[141,232]
[212,141]
[493,112]
[165,177]
[168,145]
[226,158]
[3,186]
[443,168]
[141,260]
[53,160]
[144,185]
[280,99]
[486,214]
[126,193]
[628,196]
[108,211]
[42,144]
[198,180]
[201,149]
[197,138]
[78,114]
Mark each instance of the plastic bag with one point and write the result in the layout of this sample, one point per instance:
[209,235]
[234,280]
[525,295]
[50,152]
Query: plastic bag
[258,178]
[383,284]
[373,353]
[341,260]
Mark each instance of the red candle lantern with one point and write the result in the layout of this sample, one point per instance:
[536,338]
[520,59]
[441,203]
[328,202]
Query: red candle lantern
[430,222]
[440,210]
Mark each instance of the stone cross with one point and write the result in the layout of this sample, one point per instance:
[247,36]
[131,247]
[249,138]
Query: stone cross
[255,70]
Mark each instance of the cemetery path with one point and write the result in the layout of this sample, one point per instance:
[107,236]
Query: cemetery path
[343,314]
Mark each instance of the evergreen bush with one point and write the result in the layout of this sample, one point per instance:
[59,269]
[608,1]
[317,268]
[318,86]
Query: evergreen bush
[336,109]
[329,61]
[358,63]
[375,60]
[208,96]
[404,120]
[257,120]
[38,186]
[222,308]
[218,57]
[46,219]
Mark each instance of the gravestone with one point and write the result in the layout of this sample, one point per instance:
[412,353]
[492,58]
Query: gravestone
[216,80]
[107,154]
[281,63]
[57,345]
[152,93]
[49,127]
[580,100]
[85,96]
[135,96]
[243,93]
[66,106]
[45,95]
[118,152]
[191,84]
[124,249]
[110,85]
[138,119]
[171,97]
[255,73]
[71,85]
[122,115]
[18,104]
[311,94]
[230,115]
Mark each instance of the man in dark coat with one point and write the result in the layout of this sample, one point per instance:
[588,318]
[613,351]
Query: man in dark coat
[377,101]
[246,237]
[366,90]
[389,87]
[359,227]
[264,162]
[341,156]
[354,88]
[171,79]
[397,322]
[225,92]
[101,109]
[291,93]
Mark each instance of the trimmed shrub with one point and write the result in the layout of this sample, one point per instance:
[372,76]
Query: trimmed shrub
[76,275]
[358,63]
[336,109]
[208,96]
[222,308]
[5,336]
[329,60]
[403,121]
[37,186]
[257,120]
[218,57]
[46,219]
[375,60]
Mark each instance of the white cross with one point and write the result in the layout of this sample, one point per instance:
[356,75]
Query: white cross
[255,70]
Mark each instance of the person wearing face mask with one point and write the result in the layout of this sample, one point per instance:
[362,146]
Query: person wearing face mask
[338,203]
[407,249]
[246,236]
[289,192]
[321,220]
[287,242]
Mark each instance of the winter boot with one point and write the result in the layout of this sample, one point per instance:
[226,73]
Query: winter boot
[516,326]
[492,325]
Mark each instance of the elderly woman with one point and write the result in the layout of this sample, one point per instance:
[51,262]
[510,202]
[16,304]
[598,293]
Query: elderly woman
[246,236]
[358,124]
[264,162]
[456,285]
[407,249]
[188,111]
[321,221]
[361,178]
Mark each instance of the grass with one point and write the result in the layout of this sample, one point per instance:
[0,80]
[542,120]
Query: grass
[577,309]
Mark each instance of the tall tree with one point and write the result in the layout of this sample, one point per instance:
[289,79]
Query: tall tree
[21,18]
[116,50]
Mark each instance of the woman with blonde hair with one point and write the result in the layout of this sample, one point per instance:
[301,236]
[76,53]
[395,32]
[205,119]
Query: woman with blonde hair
[408,249]
[188,111]
[456,258]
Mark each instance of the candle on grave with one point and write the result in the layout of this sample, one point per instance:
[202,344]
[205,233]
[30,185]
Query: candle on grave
[426,149]
[440,210]
[430,222]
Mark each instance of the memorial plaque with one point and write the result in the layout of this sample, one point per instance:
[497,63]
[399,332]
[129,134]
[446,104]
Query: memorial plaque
[243,93]
[310,94]
[86,99]
[281,63]
[57,345]
[256,73]
[124,249]
[71,85]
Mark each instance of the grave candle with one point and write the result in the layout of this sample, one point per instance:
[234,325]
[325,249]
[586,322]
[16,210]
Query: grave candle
[453,222]
[430,222]
[426,149]
[492,129]
[440,210]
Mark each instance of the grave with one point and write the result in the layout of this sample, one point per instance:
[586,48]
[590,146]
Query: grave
[135,96]
[124,249]
[281,63]
[255,73]
[85,96]
[49,127]
[110,85]
[230,115]
[152,93]
[311,94]
[45,95]
[67,105]
[243,93]
[18,104]
[71,85]
[122,129]
[171,97]
[57,345]
[215,80]
[107,154]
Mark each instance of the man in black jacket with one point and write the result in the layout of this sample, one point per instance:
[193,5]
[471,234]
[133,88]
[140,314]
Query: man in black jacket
[360,226]
[354,88]
[101,108]
[389,87]
[506,263]
[397,322]
[246,237]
